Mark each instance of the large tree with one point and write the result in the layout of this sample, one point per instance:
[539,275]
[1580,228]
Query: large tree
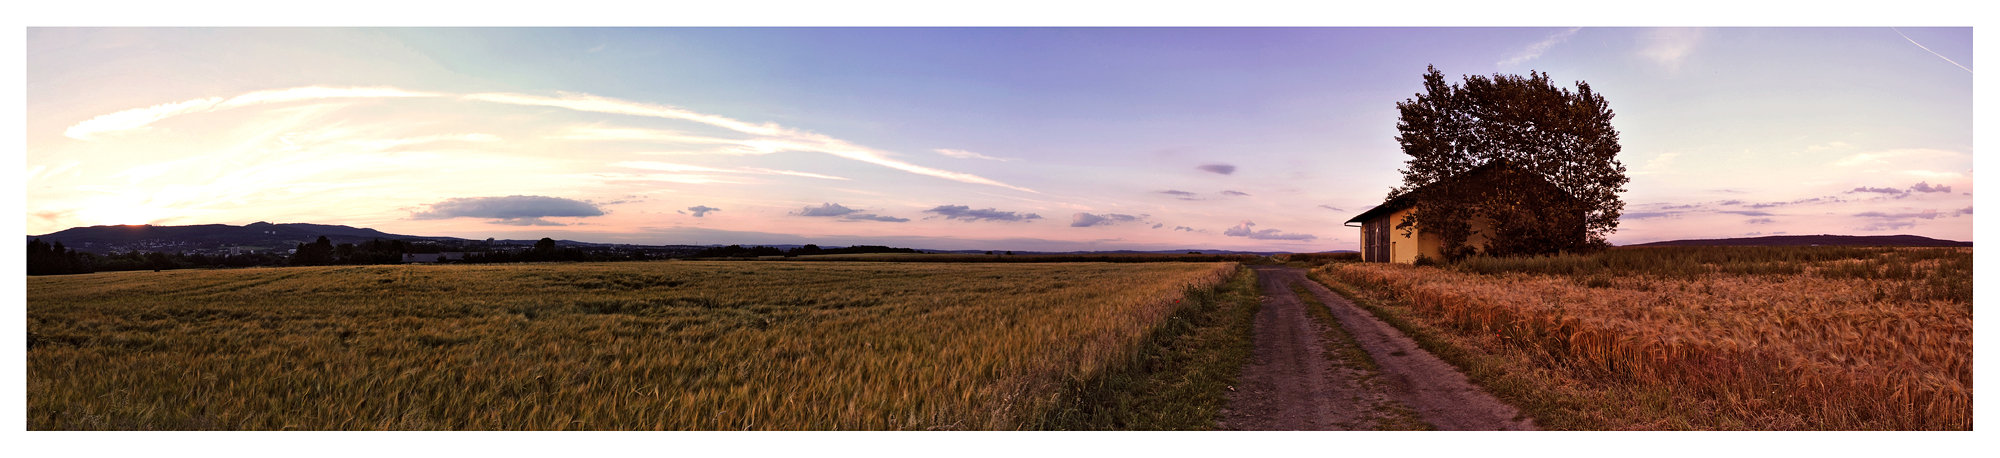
[1550,132]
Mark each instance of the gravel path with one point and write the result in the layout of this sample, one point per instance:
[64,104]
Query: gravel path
[1300,380]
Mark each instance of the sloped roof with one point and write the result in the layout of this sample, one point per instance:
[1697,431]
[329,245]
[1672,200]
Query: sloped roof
[1408,200]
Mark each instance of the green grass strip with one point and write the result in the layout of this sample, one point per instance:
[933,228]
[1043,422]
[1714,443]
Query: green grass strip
[1178,379]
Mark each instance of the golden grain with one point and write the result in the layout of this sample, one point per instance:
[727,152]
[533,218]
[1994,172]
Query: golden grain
[658,345]
[1830,350]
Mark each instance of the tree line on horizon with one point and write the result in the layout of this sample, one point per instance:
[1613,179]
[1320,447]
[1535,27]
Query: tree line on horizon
[52,258]
[738,251]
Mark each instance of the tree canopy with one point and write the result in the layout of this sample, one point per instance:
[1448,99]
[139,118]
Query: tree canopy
[1553,134]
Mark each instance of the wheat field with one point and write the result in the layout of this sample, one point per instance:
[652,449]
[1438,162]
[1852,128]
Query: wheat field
[614,346]
[1881,340]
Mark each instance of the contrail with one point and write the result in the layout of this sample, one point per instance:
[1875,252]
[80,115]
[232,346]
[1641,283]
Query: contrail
[1934,53]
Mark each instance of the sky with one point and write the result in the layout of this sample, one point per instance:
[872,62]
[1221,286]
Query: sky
[1046,139]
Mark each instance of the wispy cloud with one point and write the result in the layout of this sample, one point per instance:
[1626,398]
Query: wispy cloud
[1224,169]
[963,154]
[1888,225]
[136,119]
[1815,200]
[1182,195]
[1235,193]
[1876,190]
[611,177]
[1669,47]
[702,210]
[383,144]
[1883,157]
[1535,50]
[1329,207]
[586,102]
[776,138]
[656,135]
[1243,230]
[1927,49]
[1926,214]
[672,167]
[1659,164]
[771,137]
[969,214]
[37,171]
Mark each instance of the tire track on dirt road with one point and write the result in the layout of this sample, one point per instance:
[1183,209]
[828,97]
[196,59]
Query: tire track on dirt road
[1298,381]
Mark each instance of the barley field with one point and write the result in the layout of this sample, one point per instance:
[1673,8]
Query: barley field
[616,346]
[1715,338]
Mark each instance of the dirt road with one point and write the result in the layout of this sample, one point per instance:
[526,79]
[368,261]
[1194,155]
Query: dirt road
[1363,376]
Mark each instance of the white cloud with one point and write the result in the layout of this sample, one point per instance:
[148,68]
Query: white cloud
[615,133]
[395,142]
[771,137]
[666,167]
[585,102]
[671,167]
[1827,146]
[1662,161]
[1535,50]
[963,154]
[106,126]
[43,171]
[792,173]
[1669,47]
[1882,157]
[664,177]
[136,119]
[789,141]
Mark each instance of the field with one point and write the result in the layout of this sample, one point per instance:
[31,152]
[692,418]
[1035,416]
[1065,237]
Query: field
[1812,338]
[654,345]
[1007,258]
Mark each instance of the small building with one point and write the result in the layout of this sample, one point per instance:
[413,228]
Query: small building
[1382,242]
[420,257]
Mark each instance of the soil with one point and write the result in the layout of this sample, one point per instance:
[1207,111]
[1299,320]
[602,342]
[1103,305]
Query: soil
[1297,380]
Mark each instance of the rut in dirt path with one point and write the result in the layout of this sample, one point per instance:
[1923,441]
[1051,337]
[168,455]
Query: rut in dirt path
[1306,376]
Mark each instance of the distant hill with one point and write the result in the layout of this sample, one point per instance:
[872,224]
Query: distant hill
[105,239]
[1806,240]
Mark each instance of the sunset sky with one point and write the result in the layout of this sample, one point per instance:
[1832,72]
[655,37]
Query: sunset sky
[960,138]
